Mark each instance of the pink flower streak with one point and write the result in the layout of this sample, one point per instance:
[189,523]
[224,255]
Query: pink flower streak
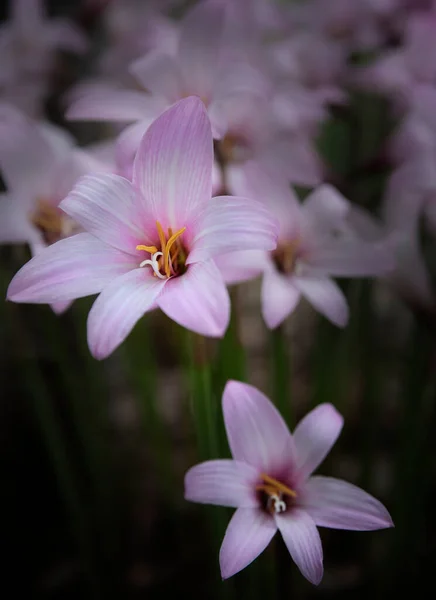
[151,242]
[270,483]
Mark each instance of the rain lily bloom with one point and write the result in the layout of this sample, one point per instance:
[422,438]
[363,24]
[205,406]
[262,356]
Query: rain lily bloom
[256,143]
[270,483]
[40,164]
[314,245]
[150,243]
[28,42]
[164,77]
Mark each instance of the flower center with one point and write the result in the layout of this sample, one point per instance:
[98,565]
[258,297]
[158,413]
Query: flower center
[168,259]
[51,222]
[286,255]
[273,494]
[234,147]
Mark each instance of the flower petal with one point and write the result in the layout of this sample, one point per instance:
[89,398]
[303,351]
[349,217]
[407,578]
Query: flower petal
[222,482]
[104,205]
[173,165]
[352,258]
[103,103]
[228,224]
[341,505]
[248,534]
[71,268]
[303,542]
[199,48]
[256,432]
[326,296]
[198,300]
[27,154]
[118,308]
[325,208]
[159,74]
[15,226]
[242,266]
[279,297]
[315,435]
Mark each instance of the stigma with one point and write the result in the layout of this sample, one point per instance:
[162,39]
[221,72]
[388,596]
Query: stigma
[166,261]
[276,493]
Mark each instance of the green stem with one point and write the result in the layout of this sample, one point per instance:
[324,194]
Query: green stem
[142,368]
[203,402]
[281,369]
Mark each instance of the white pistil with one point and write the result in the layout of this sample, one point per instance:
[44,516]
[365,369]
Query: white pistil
[278,503]
[154,264]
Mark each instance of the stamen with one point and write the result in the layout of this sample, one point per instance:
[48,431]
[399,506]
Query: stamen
[151,249]
[153,262]
[167,249]
[278,485]
[162,260]
[279,504]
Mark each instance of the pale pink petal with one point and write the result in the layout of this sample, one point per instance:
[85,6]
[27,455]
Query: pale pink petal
[326,296]
[127,146]
[242,266]
[248,534]
[222,482]
[351,258]
[71,268]
[228,224]
[199,48]
[256,432]
[315,435]
[108,104]
[325,208]
[173,165]
[275,194]
[104,205]
[118,308]
[279,297]
[198,300]
[303,542]
[60,307]
[159,74]
[26,155]
[15,226]
[340,505]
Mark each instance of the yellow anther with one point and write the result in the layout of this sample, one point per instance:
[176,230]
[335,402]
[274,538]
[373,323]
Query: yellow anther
[271,486]
[151,249]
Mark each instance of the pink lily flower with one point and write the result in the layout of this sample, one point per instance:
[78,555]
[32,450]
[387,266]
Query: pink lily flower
[314,245]
[256,143]
[40,164]
[195,68]
[270,483]
[150,243]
